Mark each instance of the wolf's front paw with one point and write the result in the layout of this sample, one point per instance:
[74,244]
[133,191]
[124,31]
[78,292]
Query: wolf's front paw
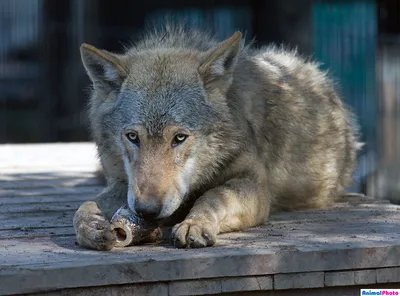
[92,228]
[194,234]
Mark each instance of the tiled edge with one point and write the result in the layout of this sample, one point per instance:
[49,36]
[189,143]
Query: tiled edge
[288,281]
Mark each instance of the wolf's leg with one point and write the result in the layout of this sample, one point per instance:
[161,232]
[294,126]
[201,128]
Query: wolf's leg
[236,205]
[91,220]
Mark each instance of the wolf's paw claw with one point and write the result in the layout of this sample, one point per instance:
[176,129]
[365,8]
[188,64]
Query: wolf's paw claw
[93,230]
[193,234]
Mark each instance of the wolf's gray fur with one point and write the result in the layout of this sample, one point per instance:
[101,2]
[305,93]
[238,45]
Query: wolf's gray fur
[262,129]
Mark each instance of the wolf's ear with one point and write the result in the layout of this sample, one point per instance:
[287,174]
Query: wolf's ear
[217,65]
[104,68]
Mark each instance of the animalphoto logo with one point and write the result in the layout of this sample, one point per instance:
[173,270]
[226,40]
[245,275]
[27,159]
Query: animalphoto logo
[379,292]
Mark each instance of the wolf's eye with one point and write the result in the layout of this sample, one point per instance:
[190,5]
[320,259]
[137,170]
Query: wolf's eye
[133,137]
[179,139]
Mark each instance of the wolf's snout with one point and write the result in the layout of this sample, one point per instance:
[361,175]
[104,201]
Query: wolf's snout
[147,214]
[147,208]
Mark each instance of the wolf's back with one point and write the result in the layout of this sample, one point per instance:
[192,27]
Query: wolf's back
[304,131]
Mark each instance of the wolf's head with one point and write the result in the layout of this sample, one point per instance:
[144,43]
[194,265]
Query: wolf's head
[162,109]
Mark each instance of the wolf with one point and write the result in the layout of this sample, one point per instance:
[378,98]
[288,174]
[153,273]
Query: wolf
[211,136]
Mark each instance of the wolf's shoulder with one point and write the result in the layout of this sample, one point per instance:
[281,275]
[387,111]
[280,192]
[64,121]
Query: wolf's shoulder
[282,62]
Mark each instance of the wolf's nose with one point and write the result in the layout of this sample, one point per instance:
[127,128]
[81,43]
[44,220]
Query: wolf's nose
[147,214]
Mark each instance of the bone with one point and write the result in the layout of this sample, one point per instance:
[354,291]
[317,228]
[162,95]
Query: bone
[132,230]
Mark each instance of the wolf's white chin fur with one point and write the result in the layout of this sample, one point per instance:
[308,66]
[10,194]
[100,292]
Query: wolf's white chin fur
[170,206]
[173,201]
[131,195]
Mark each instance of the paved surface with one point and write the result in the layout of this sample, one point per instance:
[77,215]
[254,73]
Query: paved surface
[354,243]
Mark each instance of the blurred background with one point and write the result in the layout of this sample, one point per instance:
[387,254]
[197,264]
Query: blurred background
[43,86]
